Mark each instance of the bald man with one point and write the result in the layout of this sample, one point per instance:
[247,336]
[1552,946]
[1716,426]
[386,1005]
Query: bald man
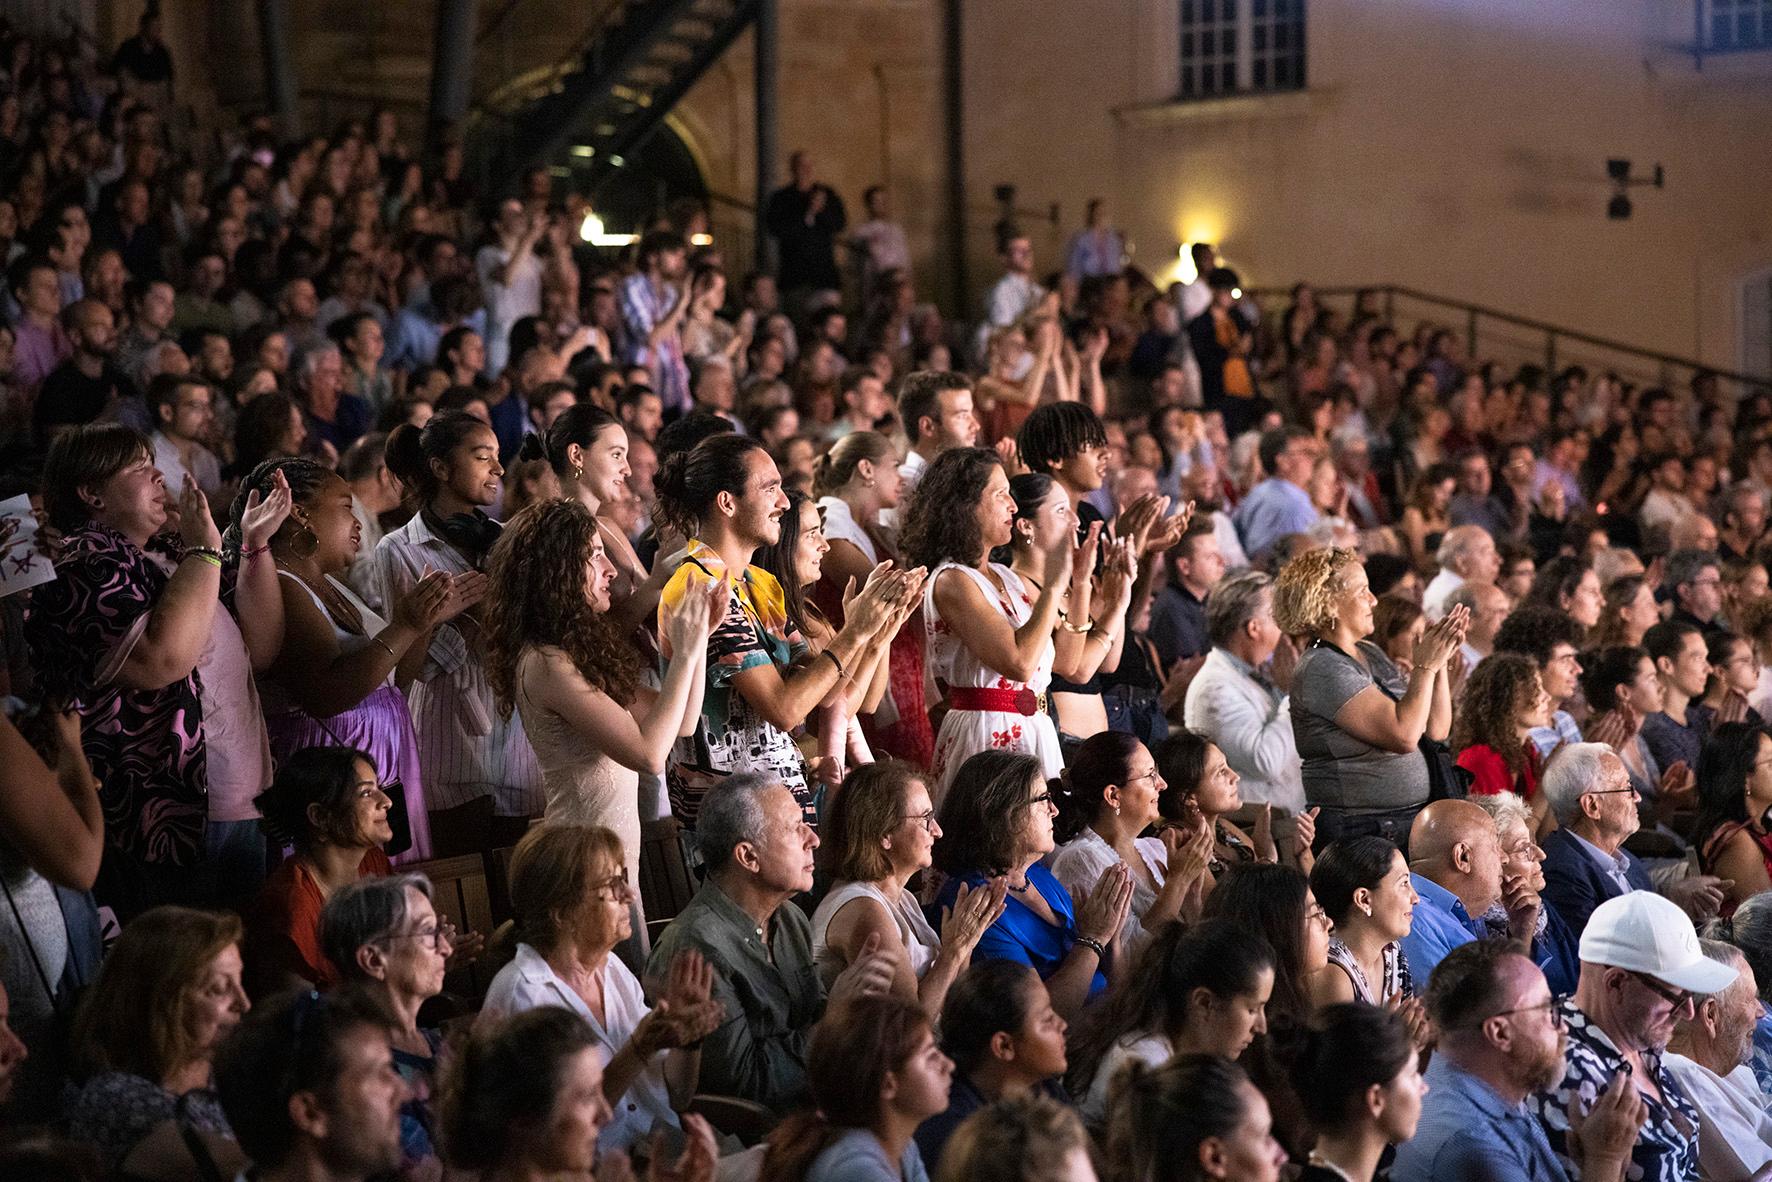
[1455,867]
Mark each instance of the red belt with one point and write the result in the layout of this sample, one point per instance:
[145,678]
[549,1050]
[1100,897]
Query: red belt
[1000,701]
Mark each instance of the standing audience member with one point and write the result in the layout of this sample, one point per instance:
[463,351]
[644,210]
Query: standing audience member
[805,217]
[876,1074]
[1357,721]
[1641,964]
[1708,1057]
[482,781]
[935,407]
[1239,699]
[1179,616]
[1279,506]
[310,1086]
[1502,1040]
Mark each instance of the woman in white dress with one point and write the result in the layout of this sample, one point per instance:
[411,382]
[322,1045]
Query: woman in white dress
[553,654]
[990,638]
[877,836]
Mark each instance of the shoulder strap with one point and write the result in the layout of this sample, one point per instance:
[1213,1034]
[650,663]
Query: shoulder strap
[30,944]
[207,1170]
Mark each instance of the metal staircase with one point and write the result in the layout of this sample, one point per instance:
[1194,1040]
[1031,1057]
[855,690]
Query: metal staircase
[599,108]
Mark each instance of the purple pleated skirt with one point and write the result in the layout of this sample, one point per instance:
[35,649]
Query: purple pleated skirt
[381,726]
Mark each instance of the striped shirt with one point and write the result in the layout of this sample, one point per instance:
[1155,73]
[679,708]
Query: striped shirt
[466,747]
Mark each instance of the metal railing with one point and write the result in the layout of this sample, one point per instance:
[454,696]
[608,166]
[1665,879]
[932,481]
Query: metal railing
[1490,334]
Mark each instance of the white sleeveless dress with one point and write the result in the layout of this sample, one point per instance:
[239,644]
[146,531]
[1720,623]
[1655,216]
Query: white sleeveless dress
[964,733]
[919,938]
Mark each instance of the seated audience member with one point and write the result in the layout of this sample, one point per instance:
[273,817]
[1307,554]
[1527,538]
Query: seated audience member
[1200,791]
[1501,1040]
[1567,584]
[1627,612]
[524,1098]
[1279,505]
[1192,990]
[118,634]
[1734,801]
[1467,554]
[1692,581]
[878,835]
[1196,1117]
[1551,639]
[1750,930]
[1708,1057]
[1362,885]
[1108,798]
[1676,732]
[1489,607]
[385,934]
[1397,626]
[1025,1138]
[1179,615]
[876,1073]
[310,1086]
[1455,868]
[1357,720]
[1276,903]
[1622,690]
[1006,1041]
[997,823]
[1734,675]
[1502,703]
[571,895]
[328,805]
[1640,967]
[757,850]
[1359,1079]
[1237,699]
[1521,858]
[144,1040]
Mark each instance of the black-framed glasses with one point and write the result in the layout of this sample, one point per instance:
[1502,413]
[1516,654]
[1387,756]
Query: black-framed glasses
[1609,791]
[926,820]
[613,888]
[1045,798]
[1677,998]
[1549,1005]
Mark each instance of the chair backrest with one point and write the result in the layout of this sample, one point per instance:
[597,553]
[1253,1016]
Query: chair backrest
[666,882]
[462,897]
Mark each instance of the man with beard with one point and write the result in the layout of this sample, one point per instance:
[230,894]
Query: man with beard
[1640,967]
[1501,1039]
[1709,1056]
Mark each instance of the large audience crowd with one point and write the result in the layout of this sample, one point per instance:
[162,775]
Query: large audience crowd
[1119,733]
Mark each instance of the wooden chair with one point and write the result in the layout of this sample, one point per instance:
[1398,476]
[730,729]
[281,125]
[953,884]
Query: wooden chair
[747,1120]
[666,881]
[461,896]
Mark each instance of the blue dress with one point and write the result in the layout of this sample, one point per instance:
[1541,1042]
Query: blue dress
[1021,935]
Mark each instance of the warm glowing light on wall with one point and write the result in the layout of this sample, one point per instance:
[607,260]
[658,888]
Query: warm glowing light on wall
[701,240]
[591,230]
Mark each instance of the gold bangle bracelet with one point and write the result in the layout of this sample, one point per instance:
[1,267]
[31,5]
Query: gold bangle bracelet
[1077,628]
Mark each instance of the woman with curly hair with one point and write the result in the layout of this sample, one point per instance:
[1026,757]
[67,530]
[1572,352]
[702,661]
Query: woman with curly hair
[990,639]
[554,654]
[1503,700]
[1358,720]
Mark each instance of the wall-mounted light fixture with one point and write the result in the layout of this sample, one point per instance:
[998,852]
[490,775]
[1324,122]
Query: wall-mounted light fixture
[1619,208]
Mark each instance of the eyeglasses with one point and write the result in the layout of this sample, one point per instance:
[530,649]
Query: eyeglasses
[443,933]
[613,889]
[1549,1005]
[1677,998]
[1150,775]
[926,820]
[1609,791]
[1045,798]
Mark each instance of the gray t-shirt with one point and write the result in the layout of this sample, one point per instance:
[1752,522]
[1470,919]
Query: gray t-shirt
[856,1156]
[1341,771]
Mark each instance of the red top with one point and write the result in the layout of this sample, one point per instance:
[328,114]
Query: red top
[1493,776]
[283,926]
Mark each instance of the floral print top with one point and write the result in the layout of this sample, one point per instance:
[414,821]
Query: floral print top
[145,746]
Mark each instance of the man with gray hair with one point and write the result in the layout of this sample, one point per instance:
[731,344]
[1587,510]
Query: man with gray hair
[757,851]
[1488,607]
[1588,791]
[1467,554]
[1693,582]
[1709,1057]
[1239,698]
[333,414]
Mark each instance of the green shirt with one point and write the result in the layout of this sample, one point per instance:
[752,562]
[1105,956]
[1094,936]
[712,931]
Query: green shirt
[770,992]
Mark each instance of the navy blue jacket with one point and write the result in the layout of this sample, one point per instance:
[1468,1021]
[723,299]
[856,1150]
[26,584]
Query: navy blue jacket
[1574,884]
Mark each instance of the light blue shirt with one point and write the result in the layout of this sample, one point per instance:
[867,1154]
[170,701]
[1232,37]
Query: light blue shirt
[1441,924]
[857,1156]
[1468,1133]
[1561,731]
[1614,865]
[1273,509]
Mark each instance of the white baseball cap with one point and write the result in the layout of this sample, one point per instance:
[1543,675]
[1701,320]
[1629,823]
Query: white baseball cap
[1644,933]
